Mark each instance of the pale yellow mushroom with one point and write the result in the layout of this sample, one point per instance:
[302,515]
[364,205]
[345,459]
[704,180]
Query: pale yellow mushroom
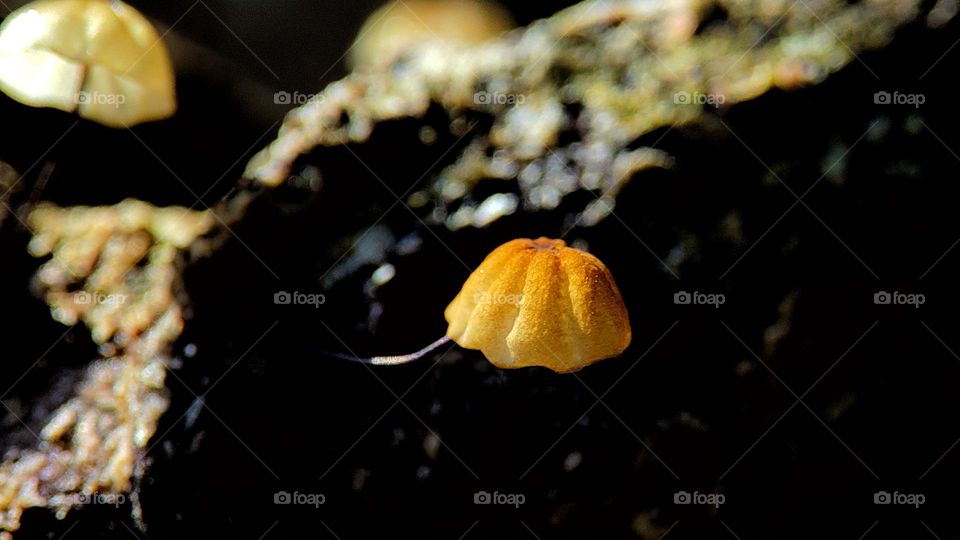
[401,24]
[100,58]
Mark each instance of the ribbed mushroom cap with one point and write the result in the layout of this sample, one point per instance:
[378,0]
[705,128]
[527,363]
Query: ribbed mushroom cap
[100,58]
[540,303]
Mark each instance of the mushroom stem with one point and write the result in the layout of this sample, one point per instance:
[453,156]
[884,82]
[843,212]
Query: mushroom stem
[394,360]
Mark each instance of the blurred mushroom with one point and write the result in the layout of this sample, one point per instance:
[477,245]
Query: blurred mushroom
[100,58]
[399,25]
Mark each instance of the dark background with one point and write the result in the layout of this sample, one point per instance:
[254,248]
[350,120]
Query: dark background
[698,412]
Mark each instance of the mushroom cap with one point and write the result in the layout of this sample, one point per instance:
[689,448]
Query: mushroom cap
[540,303]
[396,26]
[100,58]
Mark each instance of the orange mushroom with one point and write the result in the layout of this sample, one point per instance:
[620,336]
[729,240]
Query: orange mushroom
[540,303]
[535,303]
